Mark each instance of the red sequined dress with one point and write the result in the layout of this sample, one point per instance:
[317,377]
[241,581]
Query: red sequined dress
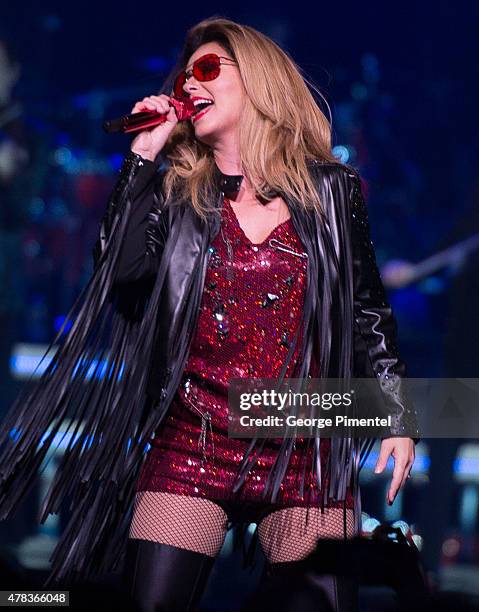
[250,309]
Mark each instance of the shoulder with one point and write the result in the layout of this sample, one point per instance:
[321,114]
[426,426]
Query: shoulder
[333,169]
[336,178]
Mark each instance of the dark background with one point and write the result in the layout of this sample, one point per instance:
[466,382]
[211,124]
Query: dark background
[401,80]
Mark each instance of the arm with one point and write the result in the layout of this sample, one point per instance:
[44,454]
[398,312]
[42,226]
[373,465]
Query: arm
[375,332]
[144,235]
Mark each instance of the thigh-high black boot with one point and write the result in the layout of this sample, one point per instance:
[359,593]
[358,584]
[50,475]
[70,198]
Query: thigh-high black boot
[292,586]
[161,577]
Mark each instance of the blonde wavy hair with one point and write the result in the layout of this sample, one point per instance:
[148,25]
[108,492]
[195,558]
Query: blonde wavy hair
[280,130]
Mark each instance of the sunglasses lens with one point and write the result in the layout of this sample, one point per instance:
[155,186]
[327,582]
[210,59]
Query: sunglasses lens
[178,90]
[207,68]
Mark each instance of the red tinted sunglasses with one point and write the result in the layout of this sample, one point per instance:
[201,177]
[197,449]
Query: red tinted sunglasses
[205,68]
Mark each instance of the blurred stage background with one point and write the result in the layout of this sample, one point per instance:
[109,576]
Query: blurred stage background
[402,84]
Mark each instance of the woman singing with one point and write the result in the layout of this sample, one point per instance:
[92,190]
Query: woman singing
[234,246]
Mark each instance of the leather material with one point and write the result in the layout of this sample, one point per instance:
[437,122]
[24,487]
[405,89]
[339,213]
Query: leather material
[161,577]
[349,328]
[292,586]
[375,328]
[343,253]
[341,592]
[138,333]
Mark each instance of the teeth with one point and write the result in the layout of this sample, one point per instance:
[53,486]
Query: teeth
[202,104]
[202,101]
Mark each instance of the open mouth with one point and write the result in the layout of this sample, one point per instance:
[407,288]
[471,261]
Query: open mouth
[201,105]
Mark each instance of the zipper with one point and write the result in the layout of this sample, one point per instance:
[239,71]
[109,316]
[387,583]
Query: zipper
[206,423]
[206,426]
[229,249]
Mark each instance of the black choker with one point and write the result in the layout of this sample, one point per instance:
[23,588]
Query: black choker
[230,185]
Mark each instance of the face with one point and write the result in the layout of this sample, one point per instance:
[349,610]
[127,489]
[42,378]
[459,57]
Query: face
[221,119]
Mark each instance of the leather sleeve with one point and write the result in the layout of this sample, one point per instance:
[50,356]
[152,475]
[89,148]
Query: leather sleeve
[375,332]
[140,182]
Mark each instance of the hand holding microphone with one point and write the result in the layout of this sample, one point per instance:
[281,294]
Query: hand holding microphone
[161,114]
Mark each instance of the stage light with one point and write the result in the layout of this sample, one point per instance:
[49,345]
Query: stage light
[341,153]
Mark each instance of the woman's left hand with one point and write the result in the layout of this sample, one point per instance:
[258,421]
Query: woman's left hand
[403,452]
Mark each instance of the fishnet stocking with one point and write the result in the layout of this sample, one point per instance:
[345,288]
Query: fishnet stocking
[179,520]
[286,535]
[198,524]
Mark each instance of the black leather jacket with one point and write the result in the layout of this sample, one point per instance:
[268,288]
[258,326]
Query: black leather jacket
[118,366]
[367,348]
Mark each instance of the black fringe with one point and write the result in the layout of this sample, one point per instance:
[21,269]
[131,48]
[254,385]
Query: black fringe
[94,390]
[347,454]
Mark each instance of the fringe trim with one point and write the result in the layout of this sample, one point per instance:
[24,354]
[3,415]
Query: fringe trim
[95,386]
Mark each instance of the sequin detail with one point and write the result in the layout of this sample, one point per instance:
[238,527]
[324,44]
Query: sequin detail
[249,313]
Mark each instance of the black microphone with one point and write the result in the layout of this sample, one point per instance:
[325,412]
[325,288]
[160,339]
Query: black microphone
[139,121]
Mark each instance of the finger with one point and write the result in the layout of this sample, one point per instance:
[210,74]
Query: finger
[398,473]
[143,105]
[162,97]
[162,103]
[151,102]
[172,116]
[158,105]
[382,459]
[408,463]
[407,472]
